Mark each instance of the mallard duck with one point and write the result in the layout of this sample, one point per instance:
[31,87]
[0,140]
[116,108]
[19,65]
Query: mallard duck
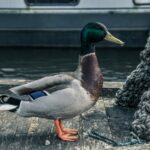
[64,95]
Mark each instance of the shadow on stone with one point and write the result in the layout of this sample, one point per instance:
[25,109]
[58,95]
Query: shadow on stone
[120,119]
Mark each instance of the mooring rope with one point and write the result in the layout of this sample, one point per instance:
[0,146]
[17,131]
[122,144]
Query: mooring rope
[141,123]
[137,82]
[136,93]
[96,135]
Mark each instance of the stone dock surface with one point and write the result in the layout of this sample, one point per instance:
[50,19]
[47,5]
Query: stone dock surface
[17,133]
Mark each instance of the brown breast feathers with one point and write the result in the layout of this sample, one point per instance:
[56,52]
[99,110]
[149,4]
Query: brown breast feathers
[92,79]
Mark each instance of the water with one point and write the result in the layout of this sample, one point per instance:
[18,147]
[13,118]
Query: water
[34,63]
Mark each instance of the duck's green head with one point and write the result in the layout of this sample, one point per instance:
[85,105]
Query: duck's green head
[93,33]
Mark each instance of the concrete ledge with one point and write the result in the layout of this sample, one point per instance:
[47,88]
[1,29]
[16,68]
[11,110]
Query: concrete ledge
[113,85]
[107,84]
[109,88]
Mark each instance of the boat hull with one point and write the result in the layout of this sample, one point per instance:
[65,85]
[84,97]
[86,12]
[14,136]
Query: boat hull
[57,29]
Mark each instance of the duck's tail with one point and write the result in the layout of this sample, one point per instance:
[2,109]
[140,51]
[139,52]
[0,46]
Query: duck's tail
[8,103]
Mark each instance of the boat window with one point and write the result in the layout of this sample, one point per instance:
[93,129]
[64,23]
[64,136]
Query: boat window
[141,2]
[50,2]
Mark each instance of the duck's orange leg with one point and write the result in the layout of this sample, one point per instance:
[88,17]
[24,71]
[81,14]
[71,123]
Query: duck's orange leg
[66,130]
[66,136]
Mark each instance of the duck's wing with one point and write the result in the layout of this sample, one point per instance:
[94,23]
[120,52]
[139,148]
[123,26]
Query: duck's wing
[42,84]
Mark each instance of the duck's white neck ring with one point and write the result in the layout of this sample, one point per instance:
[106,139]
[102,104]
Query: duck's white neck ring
[84,56]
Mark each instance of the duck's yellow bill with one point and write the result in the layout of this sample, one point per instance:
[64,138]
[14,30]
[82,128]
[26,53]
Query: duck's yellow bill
[109,37]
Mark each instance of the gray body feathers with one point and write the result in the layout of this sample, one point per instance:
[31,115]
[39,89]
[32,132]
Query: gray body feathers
[66,98]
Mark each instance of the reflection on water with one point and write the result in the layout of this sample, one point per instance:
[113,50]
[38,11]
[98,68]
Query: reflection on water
[34,63]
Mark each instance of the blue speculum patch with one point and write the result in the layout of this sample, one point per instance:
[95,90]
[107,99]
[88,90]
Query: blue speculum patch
[37,94]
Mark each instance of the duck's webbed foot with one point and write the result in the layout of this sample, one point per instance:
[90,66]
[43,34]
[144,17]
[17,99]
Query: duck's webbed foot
[70,131]
[65,134]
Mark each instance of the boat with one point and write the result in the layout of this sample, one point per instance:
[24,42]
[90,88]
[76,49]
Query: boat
[57,23]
